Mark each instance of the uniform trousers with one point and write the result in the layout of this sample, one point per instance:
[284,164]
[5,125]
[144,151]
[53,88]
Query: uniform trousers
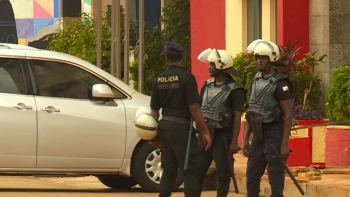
[173,151]
[218,154]
[261,156]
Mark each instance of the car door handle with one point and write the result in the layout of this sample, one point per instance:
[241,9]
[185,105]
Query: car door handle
[22,106]
[49,109]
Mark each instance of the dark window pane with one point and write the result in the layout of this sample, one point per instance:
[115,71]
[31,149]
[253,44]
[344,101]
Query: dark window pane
[254,20]
[11,76]
[56,79]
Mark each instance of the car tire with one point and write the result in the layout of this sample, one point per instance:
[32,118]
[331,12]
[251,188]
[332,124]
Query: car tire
[117,181]
[147,168]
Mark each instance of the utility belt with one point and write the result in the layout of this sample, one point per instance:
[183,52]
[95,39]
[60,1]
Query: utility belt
[176,119]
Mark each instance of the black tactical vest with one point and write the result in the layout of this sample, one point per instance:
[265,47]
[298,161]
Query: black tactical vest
[214,98]
[262,99]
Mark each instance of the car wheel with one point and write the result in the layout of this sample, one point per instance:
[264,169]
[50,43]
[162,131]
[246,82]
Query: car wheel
[147,168]
[117,181]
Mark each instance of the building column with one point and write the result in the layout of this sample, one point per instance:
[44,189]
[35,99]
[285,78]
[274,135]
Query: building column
[269,24]
[236,26]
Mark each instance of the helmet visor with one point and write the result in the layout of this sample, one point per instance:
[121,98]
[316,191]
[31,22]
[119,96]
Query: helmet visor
[232,71]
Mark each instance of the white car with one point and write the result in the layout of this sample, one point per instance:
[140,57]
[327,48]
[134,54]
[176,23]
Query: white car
[61,115]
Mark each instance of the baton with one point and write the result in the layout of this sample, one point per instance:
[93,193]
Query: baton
[288,170]
[188,144]
[233,177]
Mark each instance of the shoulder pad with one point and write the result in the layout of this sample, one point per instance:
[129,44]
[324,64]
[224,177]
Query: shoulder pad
[234,85]
[279,76]
[258,75]
[211,80]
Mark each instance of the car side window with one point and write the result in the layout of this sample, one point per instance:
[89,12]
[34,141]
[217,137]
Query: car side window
[58,79]
[12,76]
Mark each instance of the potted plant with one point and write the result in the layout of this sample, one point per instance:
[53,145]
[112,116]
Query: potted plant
[338,110]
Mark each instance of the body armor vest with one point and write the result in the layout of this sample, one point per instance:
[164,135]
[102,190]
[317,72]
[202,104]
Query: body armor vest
[262,99]
[214,98]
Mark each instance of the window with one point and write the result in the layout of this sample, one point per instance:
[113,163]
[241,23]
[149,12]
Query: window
[254,20]
[12,77]
[56,79]
[71,8]
[152,13]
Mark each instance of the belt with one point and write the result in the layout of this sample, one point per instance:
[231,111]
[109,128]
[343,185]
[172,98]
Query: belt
[176,119]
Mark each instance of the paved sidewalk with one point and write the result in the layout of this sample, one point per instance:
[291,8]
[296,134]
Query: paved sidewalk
[335,181]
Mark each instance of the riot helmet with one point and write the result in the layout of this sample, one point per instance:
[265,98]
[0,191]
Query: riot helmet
[222,59]
[146,124]
[267,48]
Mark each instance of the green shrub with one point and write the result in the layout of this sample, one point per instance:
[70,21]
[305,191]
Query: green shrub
[338,98]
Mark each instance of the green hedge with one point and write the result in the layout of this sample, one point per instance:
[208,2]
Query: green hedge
[338,98]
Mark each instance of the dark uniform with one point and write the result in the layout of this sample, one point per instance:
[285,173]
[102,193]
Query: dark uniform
[265,97]
[173,91]
[216,100]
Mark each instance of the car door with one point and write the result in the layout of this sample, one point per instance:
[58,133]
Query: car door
[74,130]
[18,121]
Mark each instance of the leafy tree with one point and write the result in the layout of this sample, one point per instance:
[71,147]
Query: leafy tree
[78,38]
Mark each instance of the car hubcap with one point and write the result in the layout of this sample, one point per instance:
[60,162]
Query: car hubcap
[153,167]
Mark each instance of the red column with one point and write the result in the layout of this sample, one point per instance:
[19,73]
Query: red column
[293,23]
[208,20]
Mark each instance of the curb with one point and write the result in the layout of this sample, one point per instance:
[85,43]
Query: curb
[329,185]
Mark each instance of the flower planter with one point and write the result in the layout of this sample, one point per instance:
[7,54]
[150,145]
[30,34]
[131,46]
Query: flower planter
[308,146]
[337,145]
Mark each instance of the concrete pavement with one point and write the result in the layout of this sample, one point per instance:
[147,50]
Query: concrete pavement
[28,186]
[335,181]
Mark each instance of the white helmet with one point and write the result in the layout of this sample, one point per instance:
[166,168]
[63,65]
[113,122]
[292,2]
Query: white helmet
[252,45]
[267,48]
[222,59]
[145,124]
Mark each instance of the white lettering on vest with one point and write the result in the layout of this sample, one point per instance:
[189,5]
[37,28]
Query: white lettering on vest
[168,79]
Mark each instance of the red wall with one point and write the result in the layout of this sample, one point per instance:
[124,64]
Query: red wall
[293,23]
[337,147]
[208,21]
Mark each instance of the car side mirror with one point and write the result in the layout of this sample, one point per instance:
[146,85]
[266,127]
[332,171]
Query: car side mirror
[102,92]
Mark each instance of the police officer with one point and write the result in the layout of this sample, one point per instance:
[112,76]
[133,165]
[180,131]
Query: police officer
[174,91]
[222,105]
[269,117]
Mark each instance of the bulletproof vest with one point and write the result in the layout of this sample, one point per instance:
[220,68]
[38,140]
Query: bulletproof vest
[214,98]
[262,99]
